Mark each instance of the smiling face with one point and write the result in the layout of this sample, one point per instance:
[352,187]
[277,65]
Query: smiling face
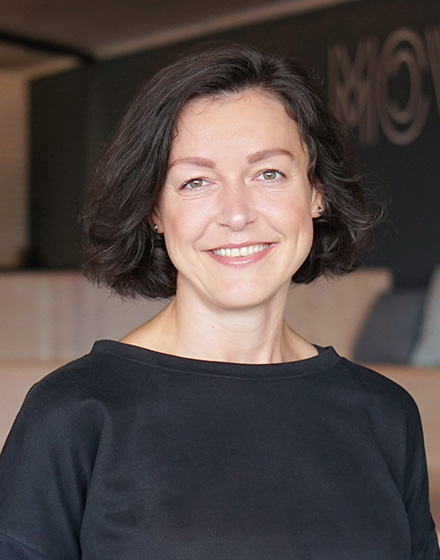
[237,207]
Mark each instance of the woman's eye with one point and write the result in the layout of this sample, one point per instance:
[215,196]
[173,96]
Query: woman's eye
[195,183]
[270,175]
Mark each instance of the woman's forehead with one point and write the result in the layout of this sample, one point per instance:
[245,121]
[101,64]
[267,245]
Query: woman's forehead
[250,112]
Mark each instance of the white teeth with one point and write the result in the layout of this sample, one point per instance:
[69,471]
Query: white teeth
[242,251]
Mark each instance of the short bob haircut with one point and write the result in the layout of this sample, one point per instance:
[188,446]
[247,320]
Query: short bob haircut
[123,252]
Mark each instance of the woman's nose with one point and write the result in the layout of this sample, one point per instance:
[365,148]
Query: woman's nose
[237,209]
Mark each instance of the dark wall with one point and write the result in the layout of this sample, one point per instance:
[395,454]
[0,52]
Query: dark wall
[380,62]
[58,169]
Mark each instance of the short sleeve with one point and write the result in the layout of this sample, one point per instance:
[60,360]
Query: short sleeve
[45,469]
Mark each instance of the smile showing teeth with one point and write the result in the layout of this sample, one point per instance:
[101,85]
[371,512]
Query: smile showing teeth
[242,251]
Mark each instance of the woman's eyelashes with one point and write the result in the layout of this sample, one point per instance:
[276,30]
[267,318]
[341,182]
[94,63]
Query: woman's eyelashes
[270,176]
[266,176]
[194,183]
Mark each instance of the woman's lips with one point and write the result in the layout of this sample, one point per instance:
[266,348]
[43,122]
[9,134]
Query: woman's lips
[243,255]
[244,251]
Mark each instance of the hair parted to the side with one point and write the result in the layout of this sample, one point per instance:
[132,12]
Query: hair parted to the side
[122,250]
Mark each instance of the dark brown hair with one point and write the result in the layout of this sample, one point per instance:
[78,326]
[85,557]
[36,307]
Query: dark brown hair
[123,252]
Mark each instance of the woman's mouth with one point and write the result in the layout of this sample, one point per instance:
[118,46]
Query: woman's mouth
[245,251]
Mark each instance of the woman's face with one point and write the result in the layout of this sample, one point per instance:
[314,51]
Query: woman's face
[237,207]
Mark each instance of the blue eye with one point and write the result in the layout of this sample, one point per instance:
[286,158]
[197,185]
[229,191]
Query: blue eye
[195,183]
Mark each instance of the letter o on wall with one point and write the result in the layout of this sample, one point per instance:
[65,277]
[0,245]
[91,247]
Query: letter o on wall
[402,125]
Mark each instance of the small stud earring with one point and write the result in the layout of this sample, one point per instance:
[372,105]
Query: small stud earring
[320,210]
[155,228]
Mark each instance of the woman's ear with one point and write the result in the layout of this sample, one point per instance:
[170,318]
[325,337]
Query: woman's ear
[318,204]
[156,222]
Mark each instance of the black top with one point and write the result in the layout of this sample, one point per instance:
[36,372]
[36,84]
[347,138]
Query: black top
[129,454]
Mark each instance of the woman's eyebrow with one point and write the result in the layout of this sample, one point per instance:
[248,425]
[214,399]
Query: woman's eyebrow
[200,162]
[252,158]
[264,154]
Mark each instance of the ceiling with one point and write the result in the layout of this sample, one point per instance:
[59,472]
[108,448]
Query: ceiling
[102,29]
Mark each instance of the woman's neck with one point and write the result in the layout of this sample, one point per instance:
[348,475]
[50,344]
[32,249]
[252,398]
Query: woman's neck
[193,330]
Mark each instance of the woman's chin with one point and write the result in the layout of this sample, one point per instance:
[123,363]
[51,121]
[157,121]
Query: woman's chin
[236,298]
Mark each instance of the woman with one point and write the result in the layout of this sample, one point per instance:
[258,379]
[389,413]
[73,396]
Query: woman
[214,430]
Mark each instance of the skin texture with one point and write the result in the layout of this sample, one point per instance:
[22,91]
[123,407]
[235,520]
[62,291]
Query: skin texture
[237,179]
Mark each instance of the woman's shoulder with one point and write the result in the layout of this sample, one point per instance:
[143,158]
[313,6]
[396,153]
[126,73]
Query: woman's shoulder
[378,391]
[104,367]
[87,387]
[74,377]
[80,397]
